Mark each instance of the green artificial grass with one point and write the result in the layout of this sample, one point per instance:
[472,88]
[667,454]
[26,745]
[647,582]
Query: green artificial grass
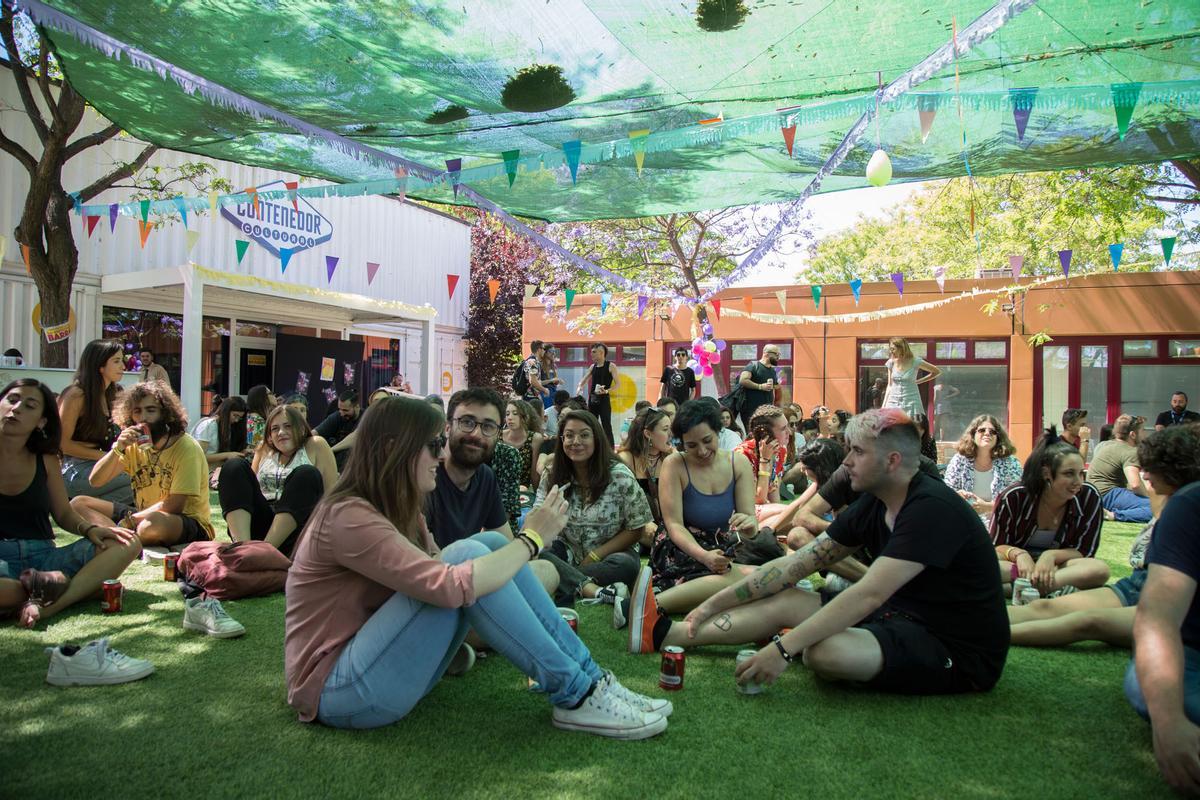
[212,722]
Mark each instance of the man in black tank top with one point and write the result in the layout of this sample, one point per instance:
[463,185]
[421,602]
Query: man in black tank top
[600,377]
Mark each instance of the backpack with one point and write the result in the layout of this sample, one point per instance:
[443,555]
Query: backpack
[734,400]
[228,571]
[520,380]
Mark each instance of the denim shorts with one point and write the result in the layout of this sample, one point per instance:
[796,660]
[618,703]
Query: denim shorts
[18,555]
[1130,589]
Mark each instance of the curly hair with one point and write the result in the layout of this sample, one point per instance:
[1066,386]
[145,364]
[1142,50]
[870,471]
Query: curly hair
[823,457]
[530,418]
[173,415]
[49,441]
[1001,449]
[1173,454]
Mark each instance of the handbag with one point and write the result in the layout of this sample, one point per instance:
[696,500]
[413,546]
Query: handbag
[232,570]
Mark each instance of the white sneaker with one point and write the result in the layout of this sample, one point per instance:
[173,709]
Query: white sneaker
[606,714]
[641,702]
[208,616]
[94,664]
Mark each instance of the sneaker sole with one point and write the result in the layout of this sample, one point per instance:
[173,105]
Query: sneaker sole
[637,610]
[628,734]
[195,626]
[98,680]
[618,616]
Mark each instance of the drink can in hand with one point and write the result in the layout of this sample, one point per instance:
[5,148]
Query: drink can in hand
[1018,586]
[670,676]
[750,687]
[144,434]
[1029,594]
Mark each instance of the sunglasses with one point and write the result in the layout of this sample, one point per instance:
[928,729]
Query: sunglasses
[986,431]
[436,445]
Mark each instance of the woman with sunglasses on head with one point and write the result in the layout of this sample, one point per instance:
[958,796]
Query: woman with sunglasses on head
[37,579]
[271,497]
[984,464]
[643,451]
[88,432]
[376,614]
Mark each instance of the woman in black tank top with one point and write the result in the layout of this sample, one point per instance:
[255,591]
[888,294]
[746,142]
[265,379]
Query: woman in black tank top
[37,579]
[600,377]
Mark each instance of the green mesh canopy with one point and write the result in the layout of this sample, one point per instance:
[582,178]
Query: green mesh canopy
[436,80]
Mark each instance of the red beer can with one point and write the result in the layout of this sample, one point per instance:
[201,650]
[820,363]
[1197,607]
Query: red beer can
[169,561]
[110,603]
[144,434]
[670,677]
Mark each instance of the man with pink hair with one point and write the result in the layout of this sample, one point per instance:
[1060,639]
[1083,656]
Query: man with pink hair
[928,617]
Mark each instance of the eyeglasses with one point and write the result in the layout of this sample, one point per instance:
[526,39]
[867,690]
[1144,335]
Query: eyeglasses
[468,424]
[436,445]
[987,431]
[581,437]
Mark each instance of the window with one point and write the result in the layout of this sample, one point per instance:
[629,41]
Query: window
[953,350]
[1146,388]
[745,352]
[1184,348]
[872,351]
[963,392]
[919,349]
[633,354]
[785,351]
[575,355]
[996,350]
[1140,348]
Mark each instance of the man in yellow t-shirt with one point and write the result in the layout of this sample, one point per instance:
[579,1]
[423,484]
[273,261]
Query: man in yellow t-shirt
[169,472]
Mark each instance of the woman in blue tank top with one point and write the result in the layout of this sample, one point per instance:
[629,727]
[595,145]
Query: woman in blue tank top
[707,500]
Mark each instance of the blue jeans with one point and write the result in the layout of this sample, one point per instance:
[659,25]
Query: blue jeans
[402,651]
[1191,687]
[1126,506]
[18,555]
[75,474]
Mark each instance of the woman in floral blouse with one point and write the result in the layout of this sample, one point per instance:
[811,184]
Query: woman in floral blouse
[984,464]
[608,511]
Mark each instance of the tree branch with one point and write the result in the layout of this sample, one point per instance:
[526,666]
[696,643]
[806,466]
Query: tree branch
[120,173]
[21,73]
[1191,201]
[19,153]
[43,79]
[1189,169]
[91,140]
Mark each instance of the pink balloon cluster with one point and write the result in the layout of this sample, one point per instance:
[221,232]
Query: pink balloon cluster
[705,353]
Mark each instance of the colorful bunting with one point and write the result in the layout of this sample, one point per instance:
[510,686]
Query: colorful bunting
[212,202]
[285,255]
[717,120]
[144,231]
[451,284]
[1022,106]
[112,218]
[253,192]
[898,280]
[748,304]
[605,297]
[25,258]
[716,304]
[454,167]
[529,290]
[1125,97]
[91,223]
[939,275]
[510,164]
[1114,252]
[816,293]
[291,187]
[641,305]
[570,298]
[856,287]
[372,268]
[1168,247]
[144,205]
[192,238]
[242,245]
[789,138]
[781,296]
[331,263]
[1064,259]
[573,150]
[401,182]
[638,139]
[182,206]
[926,123]
[1015,263]
[493,289]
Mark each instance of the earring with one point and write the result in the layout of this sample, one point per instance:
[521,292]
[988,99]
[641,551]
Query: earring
[41,431]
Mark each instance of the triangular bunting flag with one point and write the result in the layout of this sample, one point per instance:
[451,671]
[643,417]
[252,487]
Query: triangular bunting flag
[748,304]
[530,289]
[1125,97]
[605,298]
[451,284]
[573,150]
[638,139]
[781,296]
[212,202]
[241,245]
[641,306]
[1064,259]
[253,192]
[91,223]
[816,293]
[144,205]
[401,182]
[856,287]
[454,168]
[570,298]
[144,231]
[1022,106]
[898,279]
[716,304]
[493,289]
[112,218]
[510,164]
[372,268]
[192,238]
[285,255]
[926,123]
[1015,263]
[291,187]
[331,263]
[1168,247]
[25,257]
[789,138]
[1114,252]
[182,206]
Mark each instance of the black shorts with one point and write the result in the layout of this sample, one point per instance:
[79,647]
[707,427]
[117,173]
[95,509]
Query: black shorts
[914,660]
[192,531]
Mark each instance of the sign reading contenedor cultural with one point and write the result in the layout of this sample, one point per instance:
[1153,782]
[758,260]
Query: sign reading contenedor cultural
[277,224]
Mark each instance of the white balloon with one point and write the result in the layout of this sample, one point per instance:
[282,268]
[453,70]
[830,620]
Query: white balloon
[879,169]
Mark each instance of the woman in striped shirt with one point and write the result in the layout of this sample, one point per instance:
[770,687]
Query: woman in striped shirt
[1047,527]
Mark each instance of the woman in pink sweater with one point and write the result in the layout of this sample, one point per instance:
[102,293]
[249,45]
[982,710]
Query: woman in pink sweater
[376,615]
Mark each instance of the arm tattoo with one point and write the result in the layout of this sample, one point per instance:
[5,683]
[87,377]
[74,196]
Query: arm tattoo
[817,554]
[742,591]
[762,581]
[723,622]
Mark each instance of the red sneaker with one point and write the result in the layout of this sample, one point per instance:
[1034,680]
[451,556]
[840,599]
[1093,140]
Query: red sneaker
[643,614]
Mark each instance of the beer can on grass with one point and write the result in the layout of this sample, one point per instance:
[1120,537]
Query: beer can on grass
[571,617]
[1029,594]
[747,688]
[169,561]
[670,677]
[110,601]
[1019,585]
